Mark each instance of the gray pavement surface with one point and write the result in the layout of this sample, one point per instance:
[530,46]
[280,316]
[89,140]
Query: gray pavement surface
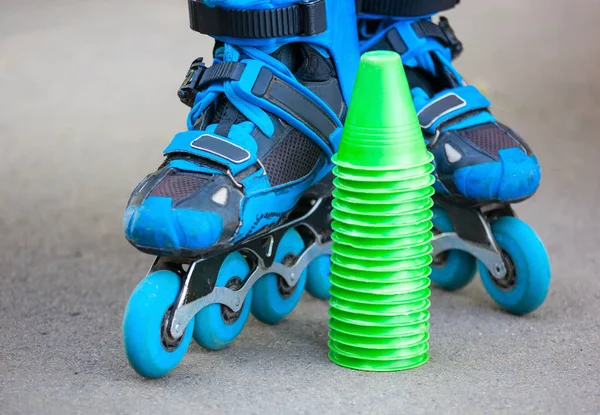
[87,103]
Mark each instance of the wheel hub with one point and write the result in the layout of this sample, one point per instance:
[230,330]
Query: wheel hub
[282,286]
[168,342]
[509,280]
[230,316]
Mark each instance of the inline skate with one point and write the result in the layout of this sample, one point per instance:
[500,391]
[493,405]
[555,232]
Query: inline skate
[481,166]
[238,213]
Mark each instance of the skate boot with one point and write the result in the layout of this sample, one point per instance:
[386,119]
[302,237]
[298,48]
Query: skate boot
[482,166]
[238,212]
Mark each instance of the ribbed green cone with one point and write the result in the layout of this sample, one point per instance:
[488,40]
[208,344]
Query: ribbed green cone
[376,365]
[370,254]
[377,288]
[382,243]
[405,337]
[381,277]
[379,348]
[379,309]
[377,176]
[408,219]
[392,353]
[380,299]
[402,332]
[382,229]
[369,320]
[364,331]
[381,130]
[384,232]
[417,205]
[399,186]
[381,198]
[402,299]
[377,266]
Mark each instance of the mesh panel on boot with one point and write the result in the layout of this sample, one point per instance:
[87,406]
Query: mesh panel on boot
[178,185]
[294,157]
[490,138]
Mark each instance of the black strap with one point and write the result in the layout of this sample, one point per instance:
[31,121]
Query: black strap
[423,28]
[301,19]
[229,117]
[441,31]
[404,8]
[199,77]
[285,96]
[222,71]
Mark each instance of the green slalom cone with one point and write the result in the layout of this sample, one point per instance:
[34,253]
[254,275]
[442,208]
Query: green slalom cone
[381,232]
[380,266]
[382,243]
[366,322]
[374,277]
[380,198]
[381,122]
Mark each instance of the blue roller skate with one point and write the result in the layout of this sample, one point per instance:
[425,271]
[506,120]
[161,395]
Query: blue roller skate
[482,166]
[238,212]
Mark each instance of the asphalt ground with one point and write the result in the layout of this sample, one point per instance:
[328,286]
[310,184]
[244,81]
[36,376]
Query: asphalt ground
[87,103]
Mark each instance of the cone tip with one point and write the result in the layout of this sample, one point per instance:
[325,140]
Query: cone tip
[381,57]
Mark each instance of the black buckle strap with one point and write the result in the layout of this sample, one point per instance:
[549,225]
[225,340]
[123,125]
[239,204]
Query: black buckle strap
[404,8]
[424,28]
[442,32]
[199,76]
[307,18]
[223,71]
[287,97]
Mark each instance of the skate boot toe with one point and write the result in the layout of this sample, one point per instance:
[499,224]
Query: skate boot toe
[156,225]
[167,213]
[514,177]
[485,163]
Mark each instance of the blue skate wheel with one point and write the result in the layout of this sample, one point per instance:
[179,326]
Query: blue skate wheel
[317,280]
[149,350]
[217,325]
[527,282]
[272,298]
[454,269]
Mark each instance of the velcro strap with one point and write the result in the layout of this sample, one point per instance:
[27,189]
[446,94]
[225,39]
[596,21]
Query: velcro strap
[215,148]
[220,147]
[451,104]
[306,18]
[298,108]
[404,8]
